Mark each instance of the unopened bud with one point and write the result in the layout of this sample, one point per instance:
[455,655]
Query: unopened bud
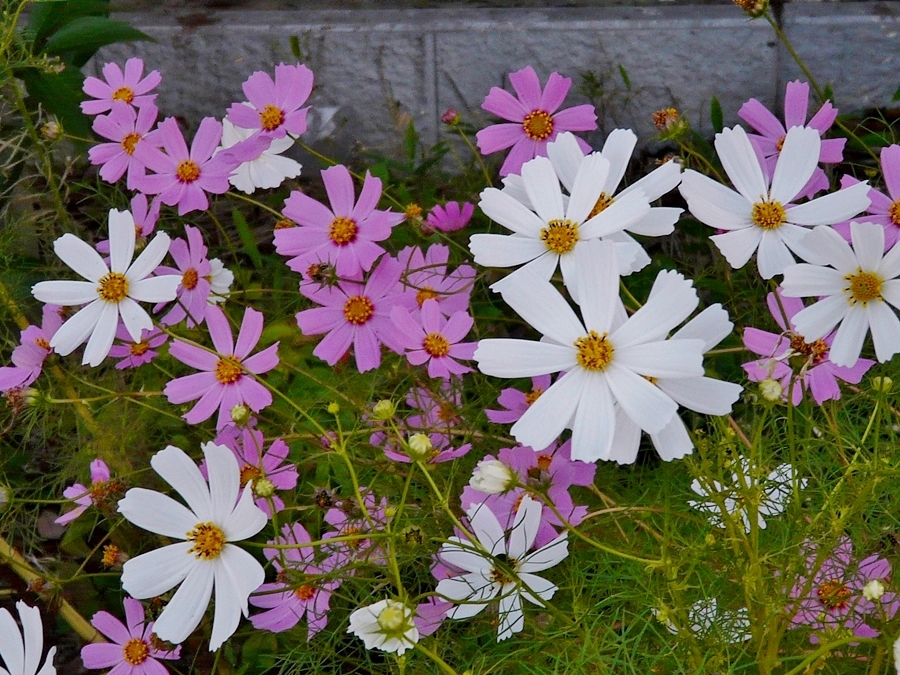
[240,414]
[754,8]
[450,117]
[384,409]
[492,477]
[413,212]
[263,487]
[882,384]
[333,408]
[52,130]
[770,390]
[873,590]
[420,447]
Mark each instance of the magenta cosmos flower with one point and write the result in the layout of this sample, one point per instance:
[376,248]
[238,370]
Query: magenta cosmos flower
[132,650]
[134,354]
[274,107]
[128,87]
[34,348]
[885,208]
[428,277]
[516,402]
[127,129]
[450,217]
[195,270]
[102,492]
[343,235]
[435,340]
[299,591]
[224,381]
[788,352]
[837,593]
[182,177]
[534,120]
[356,314]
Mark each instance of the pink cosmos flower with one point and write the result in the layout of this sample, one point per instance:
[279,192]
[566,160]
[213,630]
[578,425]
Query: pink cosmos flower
[132,650]
[134,354]
[435,340]
[534,120]
[28,358]
[772,132]
[274,107]
[784,353]
[885,208]
[343,235]
[298,592]
[101,492]
[428,277]
[450,217]
[348,519]
[120,88]
[835,593]
[356,314]
[193,291]
[127,129]
[183,177]
[431,614]
[517,402]
[145,216]
[223,383]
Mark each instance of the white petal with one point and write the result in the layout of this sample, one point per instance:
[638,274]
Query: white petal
[155,572]
[135,318]
[237,575]
[77,328]
[541,305]
[832,208]
[598,283]
[101,339]
[773,256]
[810,281]
[885,329]
[246,520]
[658,221]
[463,554]
[643,402]
[472,590]
[617,149]
[537,587]
[798,159]
[658,182]
[512,620]
[627,440]
[673,442]
[712,325]
[666,358]
[525,527]
[487,529]
[588,185]
[631,255]
[12,649]
[224,480]
[65,293]
[121,240]
[868,244]
[514,186]
[661,313]
[179,471]
[741,164]
[738,246]
[702,394]
[522,358]
[33,636]
[543,189]
[566,155]
[155,289]
[157,513]
[848,340]
[817,320]
[714,204]
[547,556]
[503,250]
[824,246]
[593,427]
[511,214]
[81,257]
[890,291]
[623,213]
[187,607]
[149,258]
[550,413]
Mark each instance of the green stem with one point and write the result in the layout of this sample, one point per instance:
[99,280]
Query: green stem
[478,157]
[443,665]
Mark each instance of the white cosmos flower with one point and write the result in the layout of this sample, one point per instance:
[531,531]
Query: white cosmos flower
[859,286]
[20,652]
[109,292]
[761,217]
[213,518]
[492,477]
[607,359]
[220,279]
[497,569]
[548,231]
[387,625]
[566,156]
[269,170]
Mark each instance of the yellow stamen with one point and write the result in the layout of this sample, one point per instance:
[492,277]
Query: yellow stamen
[123,94]
[135,652]
[595,352]
[342,230]
[209,541]
[436,345]
[768,215]
[129,141]
[188,171]
[864,287]
[538,125]
[358,309]
[560,236]
[113,287]
[228,370]
[271,117]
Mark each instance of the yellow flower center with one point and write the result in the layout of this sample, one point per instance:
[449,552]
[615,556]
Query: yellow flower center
[139,348]
[833,594]
[544,461]
[425,293]
[129,141]
[110,555]
[342,230]
[228,370]
[248,473]
[864,287]
[209,541]
[135,652]
[123,94]
[305,592]
[412,211]
[595,352]
[894,213]
[113,287]
[768,215]
[603,203]
[436,345]
[533,395]
[284,223]
[187,171]
[560,236]
[271,117]
[780,144]
[538,125]
[42,343]
[190,278]
[358,309]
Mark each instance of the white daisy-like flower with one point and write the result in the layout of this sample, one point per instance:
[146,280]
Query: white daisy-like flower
[566,156]
[770,494]
[387,625]
[21,651]
[497,568]
[703,394]
[214,517]
[607,360]
[858,287]
[707,620]
[549,231]
[760,217]
[269,170]
[108,292]
[220,279]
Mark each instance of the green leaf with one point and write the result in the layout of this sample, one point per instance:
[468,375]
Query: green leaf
[828,93]
[715,115]
[48,16]
[295,48]
[896,96]
[411,141]
[247,238]
[87,34]
[61,95]
[625,78]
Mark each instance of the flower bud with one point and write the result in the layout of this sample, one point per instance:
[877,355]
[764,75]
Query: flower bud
[333,408]
[492,477]
[52,130]
[754,8]
[263,487]
[873,590]
[384,410]
[450,117]
[420,447]
[240,414]
[770,390]
[882,384]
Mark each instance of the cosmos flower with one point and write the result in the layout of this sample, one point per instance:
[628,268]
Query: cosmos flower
[885,208]
[387,625]
[427,275]
[435,340]
[135,354]
[450,217]
[101,492]
[128,88]
[127,129]
[268,170]
[190,256]
[516,402]
[20,651]
[34,348]
[274,106]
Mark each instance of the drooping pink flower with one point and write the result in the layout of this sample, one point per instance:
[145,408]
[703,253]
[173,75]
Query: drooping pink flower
[885,208]
[134,354]
[534,120]
[772,132]
[195,270]
[132,650]
[223,382]
[836,593]
[28,358]
[517,402]
[788,352]
[127,129]
[435,340]
[357,314]
[428,277]
[348,520]
[450,217]
[345,234]
[299,592]
[274,107]
[127,88]
[101,493]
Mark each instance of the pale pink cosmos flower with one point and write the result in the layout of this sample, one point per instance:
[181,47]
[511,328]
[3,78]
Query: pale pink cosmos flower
[434,339]
[224,381]
[789,351]
[274,106]
[101,492]
[190,257]
[299,591]
[134,354]
[128,88]
[345,234]
[450,217]
[356,313]
[127,129]
[428,277]
[885,208]
[34,348]
[132,650]
[534,120]
[516,402]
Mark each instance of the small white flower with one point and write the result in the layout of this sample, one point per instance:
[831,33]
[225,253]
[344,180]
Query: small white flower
[387,625]
[220,279]
[109,292]
[495,569]
[873,590]
[205,557]
[492,477]
[21,651]
[269,170]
